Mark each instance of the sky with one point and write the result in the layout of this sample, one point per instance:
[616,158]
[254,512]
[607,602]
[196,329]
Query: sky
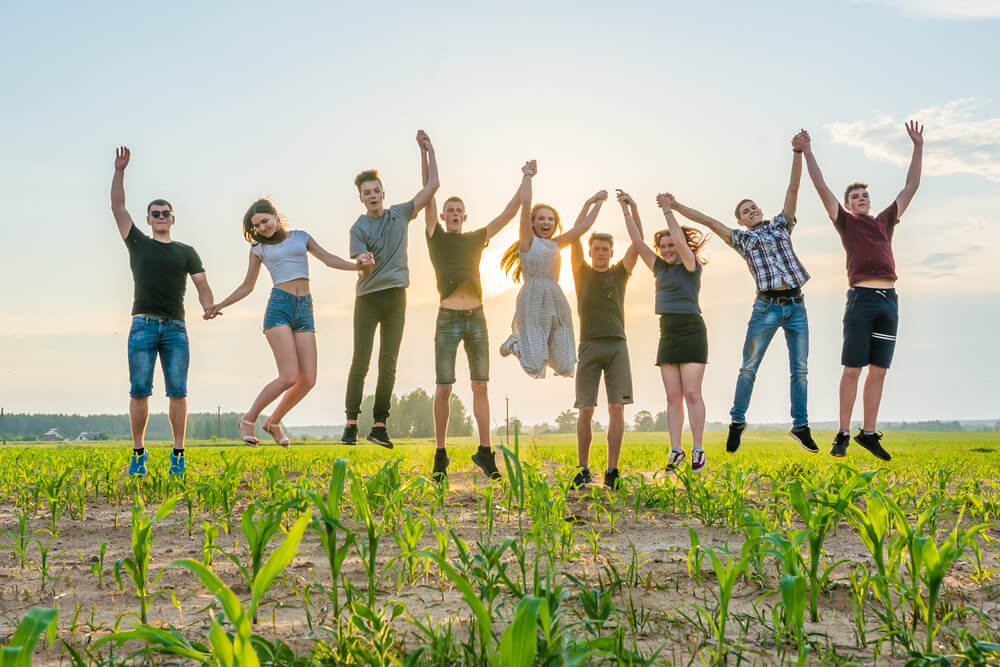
[221,103]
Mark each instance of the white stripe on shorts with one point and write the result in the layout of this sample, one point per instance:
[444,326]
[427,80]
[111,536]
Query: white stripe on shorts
[882,336]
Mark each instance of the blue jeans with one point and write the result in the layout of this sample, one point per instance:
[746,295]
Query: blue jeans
[152,336]
[766,319]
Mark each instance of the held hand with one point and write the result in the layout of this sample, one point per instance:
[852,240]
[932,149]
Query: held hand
[916,132]
[624,198]
[424,141]
[801,141]
[365,259]
[212,312]
[530,168]
[122,156]
[665,200]
[599,197]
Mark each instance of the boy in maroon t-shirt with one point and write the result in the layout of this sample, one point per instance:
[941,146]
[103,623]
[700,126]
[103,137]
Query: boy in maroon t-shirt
[872,312]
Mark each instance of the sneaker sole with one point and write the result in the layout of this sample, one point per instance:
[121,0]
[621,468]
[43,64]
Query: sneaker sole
[489,474]
[887,457]
[804,445]
[380,443]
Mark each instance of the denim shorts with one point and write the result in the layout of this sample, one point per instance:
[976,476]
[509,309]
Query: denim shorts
[467,327]
[152,336]
[284,308]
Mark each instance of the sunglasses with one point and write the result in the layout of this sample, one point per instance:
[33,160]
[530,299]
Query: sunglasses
[158,214]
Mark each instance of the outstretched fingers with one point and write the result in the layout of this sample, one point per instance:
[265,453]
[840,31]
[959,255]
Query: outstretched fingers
[916,131]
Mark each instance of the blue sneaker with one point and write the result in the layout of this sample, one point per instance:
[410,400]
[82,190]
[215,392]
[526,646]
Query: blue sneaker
[178,463]
[137,467]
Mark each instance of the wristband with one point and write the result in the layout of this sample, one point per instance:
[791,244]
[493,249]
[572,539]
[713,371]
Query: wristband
[796,150]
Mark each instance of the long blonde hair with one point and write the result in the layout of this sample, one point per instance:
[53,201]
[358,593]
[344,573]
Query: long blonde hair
[510,263]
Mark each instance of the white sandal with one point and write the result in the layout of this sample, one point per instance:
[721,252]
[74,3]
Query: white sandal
[284,442]
[249,439]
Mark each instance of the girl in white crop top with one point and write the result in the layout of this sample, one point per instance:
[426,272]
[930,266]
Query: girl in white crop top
[288,319]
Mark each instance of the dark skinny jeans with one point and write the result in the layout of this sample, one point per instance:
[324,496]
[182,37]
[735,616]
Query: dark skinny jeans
[385,309]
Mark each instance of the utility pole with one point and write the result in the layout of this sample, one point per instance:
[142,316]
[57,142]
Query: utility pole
[507,400]
[1,427]
[218,423]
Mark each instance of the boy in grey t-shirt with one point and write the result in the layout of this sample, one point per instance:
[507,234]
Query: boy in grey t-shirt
[381,292]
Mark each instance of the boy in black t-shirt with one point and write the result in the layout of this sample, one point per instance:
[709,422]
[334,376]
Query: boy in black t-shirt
[600,296]
[455,256]
[160,268]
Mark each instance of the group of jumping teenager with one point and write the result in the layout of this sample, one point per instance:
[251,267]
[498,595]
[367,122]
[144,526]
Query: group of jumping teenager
[542,329]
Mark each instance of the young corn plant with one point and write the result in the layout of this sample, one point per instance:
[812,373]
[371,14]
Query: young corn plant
[137,565]
[328,525]
[726,575]
[259,523]
[38,621]
[236,649]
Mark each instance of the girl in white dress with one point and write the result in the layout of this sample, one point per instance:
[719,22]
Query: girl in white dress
[543,325]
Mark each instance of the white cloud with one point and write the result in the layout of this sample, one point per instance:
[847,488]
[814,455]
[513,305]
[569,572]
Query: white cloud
[942,9]
[957,142]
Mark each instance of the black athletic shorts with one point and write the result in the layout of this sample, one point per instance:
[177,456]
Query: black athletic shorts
[870,321]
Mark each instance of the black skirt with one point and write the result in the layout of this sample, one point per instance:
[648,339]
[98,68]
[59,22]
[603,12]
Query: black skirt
[683,339]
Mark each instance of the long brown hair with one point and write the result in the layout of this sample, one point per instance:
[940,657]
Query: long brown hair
[263,205]
[510,263]
[695,239]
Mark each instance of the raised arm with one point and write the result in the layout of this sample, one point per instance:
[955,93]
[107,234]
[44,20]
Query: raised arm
[204,294]
[585,220]
[526,233]
[792,195]
[423,198]
[639,248]
[723,232]
[499,222]
[122,218]
[916,133]
[830,201]
[430,211]
[335,262]
[244,289]
[666,201]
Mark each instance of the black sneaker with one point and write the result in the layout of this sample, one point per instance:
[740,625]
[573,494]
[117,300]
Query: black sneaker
[487,463]
[612,478]
[380,436]
[840,443]
[804,437]
[871,442]
[582,478]
[735,433]
[350,436]
[441,462]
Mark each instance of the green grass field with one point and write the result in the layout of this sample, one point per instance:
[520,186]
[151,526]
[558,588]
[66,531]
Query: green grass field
[332,554]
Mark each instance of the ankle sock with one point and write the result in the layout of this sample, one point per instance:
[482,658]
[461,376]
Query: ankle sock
[697,448]
[139,452]
[677,449]
[178,452]
[868,432]
[845,433]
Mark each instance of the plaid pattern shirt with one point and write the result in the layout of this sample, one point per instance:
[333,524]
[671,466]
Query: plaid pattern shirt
[767,248]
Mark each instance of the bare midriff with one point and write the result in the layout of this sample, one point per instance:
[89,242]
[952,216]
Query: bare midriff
[876,283]
[464,297]
[298,287]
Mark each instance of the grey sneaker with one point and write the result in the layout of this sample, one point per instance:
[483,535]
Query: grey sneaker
[840,444]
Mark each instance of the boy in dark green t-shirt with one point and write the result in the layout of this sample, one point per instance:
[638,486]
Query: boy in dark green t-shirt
[455,256]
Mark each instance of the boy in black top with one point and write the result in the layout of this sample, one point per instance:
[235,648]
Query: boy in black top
[455,256]
[160,268]
[600,295]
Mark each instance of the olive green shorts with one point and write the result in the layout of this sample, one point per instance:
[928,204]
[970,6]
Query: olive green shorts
[608,356]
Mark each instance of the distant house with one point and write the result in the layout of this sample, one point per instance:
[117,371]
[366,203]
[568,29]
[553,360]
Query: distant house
[88,435]
[52,434]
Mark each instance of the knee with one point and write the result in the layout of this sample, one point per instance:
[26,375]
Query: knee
[479,389]
[851,373]
[442,391]
[287,380]
[587,414]
[692,396]
[674,397]
[616,413]
[307,381]
[799,371]
[877,372]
